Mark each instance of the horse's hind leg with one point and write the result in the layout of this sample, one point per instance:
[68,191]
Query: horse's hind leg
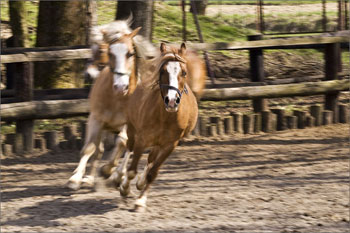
[90,179]
[132,170]
[93,137]
[107,169]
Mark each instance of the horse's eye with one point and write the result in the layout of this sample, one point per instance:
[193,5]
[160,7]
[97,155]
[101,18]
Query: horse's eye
[184,73]
[130,54]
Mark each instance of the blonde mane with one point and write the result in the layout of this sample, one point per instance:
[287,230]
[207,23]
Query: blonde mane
[108,32]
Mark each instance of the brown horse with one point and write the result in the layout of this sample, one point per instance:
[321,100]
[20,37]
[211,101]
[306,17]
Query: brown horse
[159,114]
[108,98]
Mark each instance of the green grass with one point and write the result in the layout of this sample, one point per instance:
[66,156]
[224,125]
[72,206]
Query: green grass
[253,2]
[168,26]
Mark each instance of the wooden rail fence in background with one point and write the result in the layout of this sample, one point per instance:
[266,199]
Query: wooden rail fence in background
[25,112]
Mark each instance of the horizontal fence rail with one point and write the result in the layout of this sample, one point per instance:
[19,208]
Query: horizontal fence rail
[276,91]
[51,109]
[47,109]
[47,54]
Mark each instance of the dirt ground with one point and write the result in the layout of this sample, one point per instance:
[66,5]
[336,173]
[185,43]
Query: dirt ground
[292,181]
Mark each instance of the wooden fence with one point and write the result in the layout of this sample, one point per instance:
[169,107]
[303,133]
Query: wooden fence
[26,110]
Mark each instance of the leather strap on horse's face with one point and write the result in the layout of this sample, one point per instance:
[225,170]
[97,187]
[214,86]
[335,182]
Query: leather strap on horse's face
[121,74]
[180,93]
[162,86]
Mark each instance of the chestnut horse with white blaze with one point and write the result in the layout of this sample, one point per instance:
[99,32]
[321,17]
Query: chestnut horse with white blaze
[159,113]
[108,98]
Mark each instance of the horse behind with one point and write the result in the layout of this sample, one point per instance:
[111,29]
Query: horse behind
[108,97]
[159,114]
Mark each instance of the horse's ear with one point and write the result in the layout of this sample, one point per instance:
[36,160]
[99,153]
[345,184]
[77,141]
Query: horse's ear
[134,33]
[162,48]
[182,50]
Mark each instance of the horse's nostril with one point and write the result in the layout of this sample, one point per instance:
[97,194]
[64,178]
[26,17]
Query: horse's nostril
[177,100]
[166,100]
[126,87]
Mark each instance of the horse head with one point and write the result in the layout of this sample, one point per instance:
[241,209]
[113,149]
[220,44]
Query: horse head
[121,59]
[172,76]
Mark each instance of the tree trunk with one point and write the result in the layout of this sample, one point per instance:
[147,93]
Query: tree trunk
[91,8]
[18,23]
[61,23]
[200,5]
[142,12]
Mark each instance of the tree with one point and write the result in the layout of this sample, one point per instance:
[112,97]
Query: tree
[18,23]
[142,12]
[17,12]
[200,5]
[60,23]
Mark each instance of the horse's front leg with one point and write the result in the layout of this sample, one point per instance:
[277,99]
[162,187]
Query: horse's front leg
[141,180]
[164,152]
[93,138]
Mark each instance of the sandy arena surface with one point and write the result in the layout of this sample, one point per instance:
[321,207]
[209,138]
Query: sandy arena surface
[291,181]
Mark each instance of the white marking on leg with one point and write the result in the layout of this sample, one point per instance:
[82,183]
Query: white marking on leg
[90,180]
[80,170]
[122,168]
[96,160]
[123,134]
[141,201]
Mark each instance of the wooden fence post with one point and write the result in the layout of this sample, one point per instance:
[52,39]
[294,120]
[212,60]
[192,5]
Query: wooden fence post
[257,72]
[24,92]
[237,122]
[343,113]
[316,112]
[248,123]
[281,120]
[228,124]
[331,73]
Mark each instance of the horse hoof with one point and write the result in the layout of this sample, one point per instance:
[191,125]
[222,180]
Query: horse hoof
[105,171]
[124,191]
[73,185]
[140,185]
[140,209]
[117,180]
[89,180]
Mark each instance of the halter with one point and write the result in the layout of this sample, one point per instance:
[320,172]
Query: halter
[161,86]
[173,88]
[121,74]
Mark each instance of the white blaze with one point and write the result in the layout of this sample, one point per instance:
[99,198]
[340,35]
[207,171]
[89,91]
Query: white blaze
[120,50]
[173,69]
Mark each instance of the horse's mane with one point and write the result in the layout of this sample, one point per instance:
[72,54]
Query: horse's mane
[113,31]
